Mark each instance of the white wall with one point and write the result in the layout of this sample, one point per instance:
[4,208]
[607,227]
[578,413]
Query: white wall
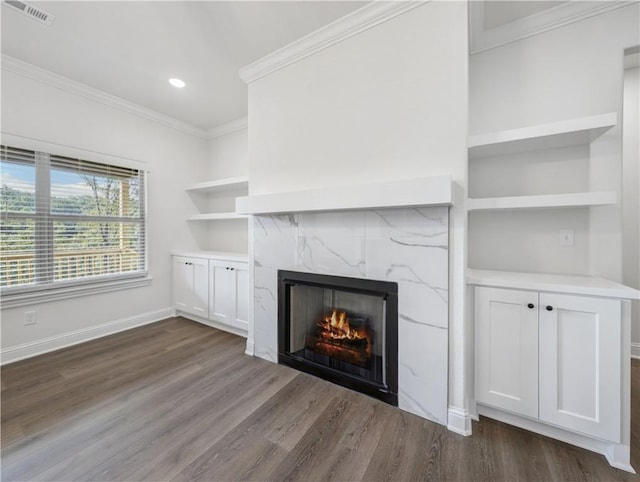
[227,156]
[631,197]
[175,159]
[388,103]
[569,72]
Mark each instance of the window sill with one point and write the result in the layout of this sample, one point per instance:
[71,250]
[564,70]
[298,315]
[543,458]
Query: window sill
[56,294]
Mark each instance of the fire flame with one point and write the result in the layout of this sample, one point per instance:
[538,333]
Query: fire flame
[336,326]
[341,340]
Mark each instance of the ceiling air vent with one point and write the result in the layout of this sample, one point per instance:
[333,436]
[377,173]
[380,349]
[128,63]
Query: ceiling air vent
[31,11]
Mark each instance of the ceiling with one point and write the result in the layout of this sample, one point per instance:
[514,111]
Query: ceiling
[131,49]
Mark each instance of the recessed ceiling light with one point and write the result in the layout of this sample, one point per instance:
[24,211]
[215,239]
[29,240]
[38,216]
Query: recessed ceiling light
[177,83]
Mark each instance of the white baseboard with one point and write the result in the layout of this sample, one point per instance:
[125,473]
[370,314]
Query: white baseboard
[635,350]
[459,421]
[27,350]
[250,348]
[618,455]
[213,324]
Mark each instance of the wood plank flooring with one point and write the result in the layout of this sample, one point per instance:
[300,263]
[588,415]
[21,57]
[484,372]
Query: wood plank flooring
[176,400]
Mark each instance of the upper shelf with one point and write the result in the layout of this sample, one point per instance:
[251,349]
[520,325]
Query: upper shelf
[543,136]
[221,184]
[429,191]
[573,199]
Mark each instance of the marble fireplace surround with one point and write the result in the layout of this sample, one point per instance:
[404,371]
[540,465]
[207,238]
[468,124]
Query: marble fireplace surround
[403,242]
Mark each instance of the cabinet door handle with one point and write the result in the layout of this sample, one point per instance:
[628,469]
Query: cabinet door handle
[231,269]
[531,306]
[549,308]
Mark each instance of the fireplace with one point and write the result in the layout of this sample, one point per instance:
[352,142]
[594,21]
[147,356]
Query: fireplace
[344,330]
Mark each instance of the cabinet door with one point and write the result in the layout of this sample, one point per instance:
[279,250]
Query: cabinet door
[580,364]
[200,301]
[242,295]
[182,283]
[223,292]
[506,349]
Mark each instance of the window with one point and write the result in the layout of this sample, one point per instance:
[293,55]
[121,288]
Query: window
[68,221]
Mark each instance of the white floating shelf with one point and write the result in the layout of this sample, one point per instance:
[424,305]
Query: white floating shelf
[575,199]
[543,136]
[221,184]
[584,285]
[430,191]
[215,216]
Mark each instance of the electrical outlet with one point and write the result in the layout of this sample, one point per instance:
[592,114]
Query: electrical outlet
[30,318]
[566,237]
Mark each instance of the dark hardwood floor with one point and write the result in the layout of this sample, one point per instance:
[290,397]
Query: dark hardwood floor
[176,400]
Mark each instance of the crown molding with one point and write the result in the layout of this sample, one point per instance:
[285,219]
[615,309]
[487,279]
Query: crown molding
[47,77]
[228,128]
[553,18]
[352,24]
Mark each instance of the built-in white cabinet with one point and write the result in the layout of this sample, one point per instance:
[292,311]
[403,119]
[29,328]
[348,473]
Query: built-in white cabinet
[554,357]
[506,333]
[191,285]
[229,291]
[214,287]
[580,364]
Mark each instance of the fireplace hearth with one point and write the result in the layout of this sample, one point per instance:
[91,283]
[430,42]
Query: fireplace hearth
[344,330]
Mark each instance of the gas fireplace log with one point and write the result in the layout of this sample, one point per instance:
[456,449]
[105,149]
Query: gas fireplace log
[355,356]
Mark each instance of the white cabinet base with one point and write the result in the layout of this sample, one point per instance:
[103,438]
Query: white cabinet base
[618,455]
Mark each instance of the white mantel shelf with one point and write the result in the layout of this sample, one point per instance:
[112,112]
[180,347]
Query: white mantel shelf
[429,191]
[571,284]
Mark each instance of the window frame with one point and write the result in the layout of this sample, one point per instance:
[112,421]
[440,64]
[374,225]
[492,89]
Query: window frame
[49,289]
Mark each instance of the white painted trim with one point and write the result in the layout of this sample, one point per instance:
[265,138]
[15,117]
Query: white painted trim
[352,24]
[459,421]
[27,70]
[228,128]
[27,350]
[616,454]
[544,21]
[250,350]
[213,324]
[14,140]
[425,191]
[635,350]
[51,294]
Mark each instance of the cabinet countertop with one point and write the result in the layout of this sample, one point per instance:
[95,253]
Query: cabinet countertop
[223,255]
[582,285]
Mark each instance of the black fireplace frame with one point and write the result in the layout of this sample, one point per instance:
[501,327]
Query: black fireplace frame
[388,290]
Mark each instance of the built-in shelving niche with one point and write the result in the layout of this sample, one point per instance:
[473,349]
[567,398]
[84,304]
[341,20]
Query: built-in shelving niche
[526,185]
[214,221]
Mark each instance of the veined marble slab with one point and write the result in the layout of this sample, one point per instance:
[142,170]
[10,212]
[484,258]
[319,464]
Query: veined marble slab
[405,245]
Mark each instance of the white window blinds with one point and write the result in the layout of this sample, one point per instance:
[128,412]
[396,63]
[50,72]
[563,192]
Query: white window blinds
[68,221]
